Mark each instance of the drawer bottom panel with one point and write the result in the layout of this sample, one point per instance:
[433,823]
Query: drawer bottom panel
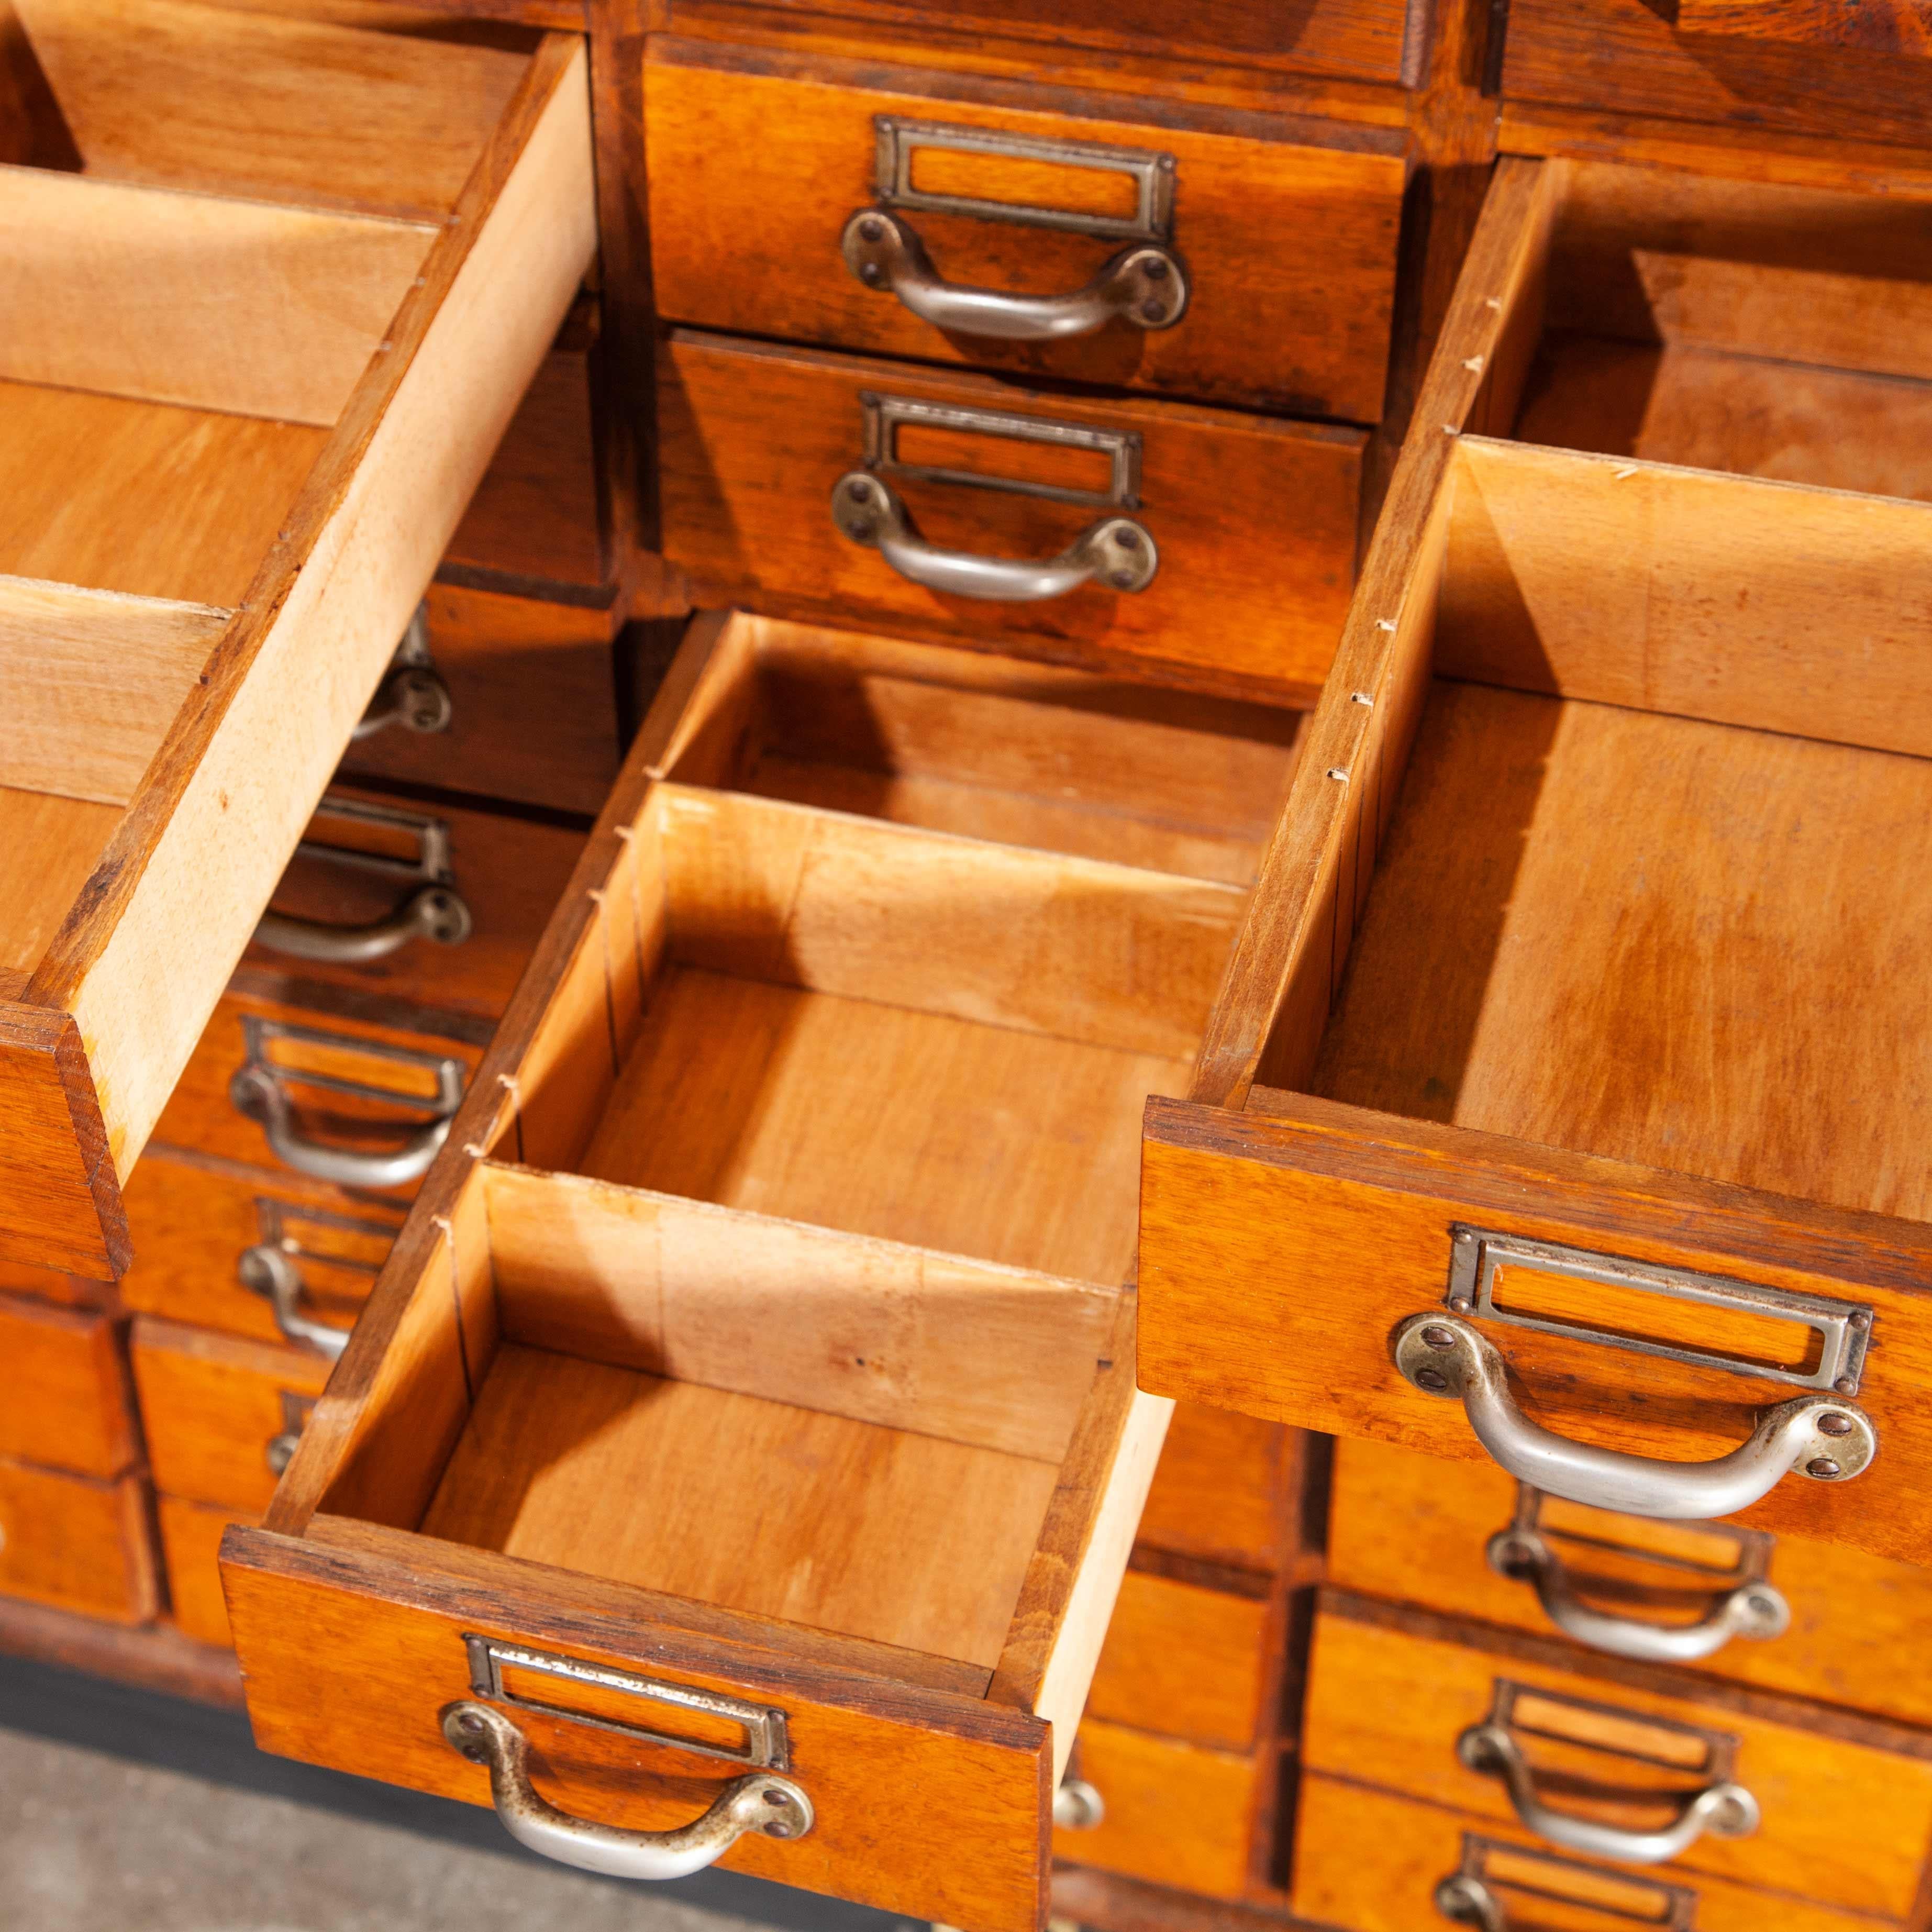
[76,1543]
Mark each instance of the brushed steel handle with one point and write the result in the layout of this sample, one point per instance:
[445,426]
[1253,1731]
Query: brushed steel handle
[1823,1437]
[1724,1810]
[1753,1610]
[1116,552]
[438,912]
[764,1801]
[258,1096]
[267,1271]
[1145,285]
[412,696]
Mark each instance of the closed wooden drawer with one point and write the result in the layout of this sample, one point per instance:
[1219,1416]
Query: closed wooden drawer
[811,1127]
[535,514]
[523,705]
[435,904]
[1176,1814]
[191,1548]
[1368,40]
[1278,256]
[257,354]
[1507,1730]
[1367,1861]
[322,1092]
[1565,817]
[1221,1491]
[1250,517]
[254,1253]
[222,1415]
[63,1389]
[76,1542]
[1183,1660]
[1837,1625]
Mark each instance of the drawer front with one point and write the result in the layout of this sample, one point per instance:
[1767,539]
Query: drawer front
[77,1544]
[433,905]
[322,1095]
[368,1700]
[222,1415]
[1220,1491]
[524,707]
[63,1398]
[1252,519]
[1400,1704]
[252,1252]
[311,326]
[535,513]
[1368,40]
[1587,1277]
[1286,252]
[190,1547]
[1369,1861]
[1457,1536]
[1182,1661]
[1175,1814]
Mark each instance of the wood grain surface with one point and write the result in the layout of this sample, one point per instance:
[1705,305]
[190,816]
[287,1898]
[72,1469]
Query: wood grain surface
[52,844]
[190,1546]
[194,1215]
[1895,27]
[211,1404]
[756,167]
[1257,514]
[1844,1822]
[77,1542]
[1413,1528]
[1306,1189]
[1182,1661]
[67,1401]
[331,1632]
[1219,1494]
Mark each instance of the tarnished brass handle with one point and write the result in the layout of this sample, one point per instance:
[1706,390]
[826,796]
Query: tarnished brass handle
[258,1096]
[1116,552]
[1145,285]
[762,1802]
[1820,1436]
[1724,1810]
[267,1271]
[1753,1610]
[437,912]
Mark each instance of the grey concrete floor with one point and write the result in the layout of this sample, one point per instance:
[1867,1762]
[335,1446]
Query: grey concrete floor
[121,1811]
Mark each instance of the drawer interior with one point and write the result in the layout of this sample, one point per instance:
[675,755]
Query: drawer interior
[1650,931]
[1762,329]
[808,1222]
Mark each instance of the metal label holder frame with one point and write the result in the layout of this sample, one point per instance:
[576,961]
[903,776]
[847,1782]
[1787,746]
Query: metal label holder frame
[1753,1546]
[1679,1903]
[886,415]
[1152,172]
[1844,1328]
[258,1034]
[431,866]
[766,1746]
[1720,1747]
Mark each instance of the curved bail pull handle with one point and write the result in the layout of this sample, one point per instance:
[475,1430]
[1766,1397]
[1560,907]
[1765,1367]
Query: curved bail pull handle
[1145,285]
[1116,552]
[1823,1437]
[763,1802]
[258,1096]
[1753,1610]
[1465,1900]
[437,912]
[266,1270]
[1724,1810]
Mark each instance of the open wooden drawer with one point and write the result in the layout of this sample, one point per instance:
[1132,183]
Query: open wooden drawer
[1590,1067]
[275,285]
[748,1406]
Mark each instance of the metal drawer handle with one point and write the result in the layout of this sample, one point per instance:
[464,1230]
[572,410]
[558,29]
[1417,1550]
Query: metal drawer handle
[411,693]
[1753,1610]
[1117,551]
[267,1271]
[1724,1810]
[1823,1437]
[258,1095]
[762,1802]
[1145,285]
[435,912]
